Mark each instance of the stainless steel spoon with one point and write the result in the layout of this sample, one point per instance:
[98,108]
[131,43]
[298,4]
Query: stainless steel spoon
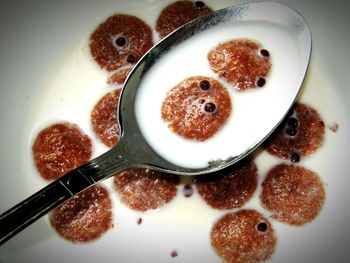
[132,149]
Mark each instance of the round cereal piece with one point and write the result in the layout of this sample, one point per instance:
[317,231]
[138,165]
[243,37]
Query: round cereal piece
[300,134]
[119,41]
[119,76]
[84,217]
[241,62]
[104,118]
[293,194]
[144,189]
[59,149]
[244,236]
[196,108]
[229,188]
[179,13]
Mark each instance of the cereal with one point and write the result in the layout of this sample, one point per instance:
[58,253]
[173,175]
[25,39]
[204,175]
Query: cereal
[196,108]
[59,149]
[300,134]
[119,41]
[293,194]
[244,236]
[143,189]
[241,62]
[84,217]
[179,13]
[229,188]
[104,118]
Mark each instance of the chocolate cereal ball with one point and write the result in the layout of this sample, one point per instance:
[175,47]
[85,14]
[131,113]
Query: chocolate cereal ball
[84,217]
[144,189]
[59,149]
[293,194]
[243,236]
[300,134]
[179,13]
[243,63]
[120,41]
[229,188]
[196,108]
[119,76]
[104,118]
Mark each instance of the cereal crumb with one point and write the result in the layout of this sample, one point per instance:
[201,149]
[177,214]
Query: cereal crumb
[334,127]
[174,254]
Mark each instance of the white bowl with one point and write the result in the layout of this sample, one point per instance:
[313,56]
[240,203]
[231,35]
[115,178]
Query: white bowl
[41,39]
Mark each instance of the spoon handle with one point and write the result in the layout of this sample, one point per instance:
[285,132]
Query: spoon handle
[31,209]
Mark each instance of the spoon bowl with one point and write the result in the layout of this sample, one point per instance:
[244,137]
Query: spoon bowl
[134,149]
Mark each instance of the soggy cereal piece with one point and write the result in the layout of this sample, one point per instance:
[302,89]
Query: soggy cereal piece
[229,188]
[179,13]
[118,77]
[145,189]
[120,41]
[241,62]
[300,134]
[59,149]
[104,118]
[244,236]
[196,108]
[293,194]
[84,217]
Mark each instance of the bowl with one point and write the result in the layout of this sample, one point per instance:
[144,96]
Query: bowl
[48,75]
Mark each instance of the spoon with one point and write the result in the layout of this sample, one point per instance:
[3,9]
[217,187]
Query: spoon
[133,150]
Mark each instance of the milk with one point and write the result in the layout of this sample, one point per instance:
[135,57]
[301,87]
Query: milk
[255,112]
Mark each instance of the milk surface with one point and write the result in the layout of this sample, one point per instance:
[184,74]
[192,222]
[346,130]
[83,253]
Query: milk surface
[254,112]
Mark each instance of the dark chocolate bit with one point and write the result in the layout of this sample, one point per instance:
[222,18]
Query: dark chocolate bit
[199,4]
[188,190]
[261,82]
[120,41]
[204,85]
[292,123]
[295,158]
[174,254]
[131,59]
[290,112]
[139,221]
[264,53]
[210,107]
[261,227]
[291,131]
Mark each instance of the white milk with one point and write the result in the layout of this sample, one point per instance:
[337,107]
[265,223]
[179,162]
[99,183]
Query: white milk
[255,112]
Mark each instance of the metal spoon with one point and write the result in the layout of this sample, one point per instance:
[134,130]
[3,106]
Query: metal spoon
[133,150]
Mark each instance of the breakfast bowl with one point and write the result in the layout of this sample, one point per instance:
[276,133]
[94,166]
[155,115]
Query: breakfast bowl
[49,76]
